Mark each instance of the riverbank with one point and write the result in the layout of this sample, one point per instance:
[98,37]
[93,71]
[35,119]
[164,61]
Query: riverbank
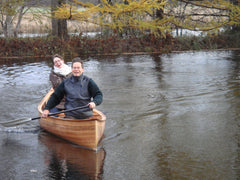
[92,46]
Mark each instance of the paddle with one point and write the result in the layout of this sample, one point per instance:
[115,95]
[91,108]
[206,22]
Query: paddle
[17,122]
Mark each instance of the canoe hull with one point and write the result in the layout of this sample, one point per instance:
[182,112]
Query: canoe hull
[83,132]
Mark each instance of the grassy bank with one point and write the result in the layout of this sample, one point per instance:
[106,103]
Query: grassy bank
[83,46]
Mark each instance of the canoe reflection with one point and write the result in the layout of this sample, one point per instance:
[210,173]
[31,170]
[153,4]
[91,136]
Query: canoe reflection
[66,161]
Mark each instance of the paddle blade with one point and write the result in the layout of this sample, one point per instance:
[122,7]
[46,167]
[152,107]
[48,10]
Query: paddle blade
[15,122]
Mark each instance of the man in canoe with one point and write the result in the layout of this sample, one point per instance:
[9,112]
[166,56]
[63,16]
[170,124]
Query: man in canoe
[79,90]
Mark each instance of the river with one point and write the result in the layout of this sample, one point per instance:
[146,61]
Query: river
[172,116]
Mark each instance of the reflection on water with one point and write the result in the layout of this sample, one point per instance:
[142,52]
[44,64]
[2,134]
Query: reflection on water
[172,116]
[66,161]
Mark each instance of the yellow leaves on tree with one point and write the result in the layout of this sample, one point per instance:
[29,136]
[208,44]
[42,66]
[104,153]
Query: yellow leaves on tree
[140,15]
[120,17]
[203,15]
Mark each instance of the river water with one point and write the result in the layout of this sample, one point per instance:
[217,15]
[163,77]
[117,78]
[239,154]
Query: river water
[173,116]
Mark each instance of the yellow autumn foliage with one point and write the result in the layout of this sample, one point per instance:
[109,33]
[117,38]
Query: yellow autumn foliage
[137,15]
[140,15]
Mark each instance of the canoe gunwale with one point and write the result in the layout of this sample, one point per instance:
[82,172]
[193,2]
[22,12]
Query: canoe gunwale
[74,120]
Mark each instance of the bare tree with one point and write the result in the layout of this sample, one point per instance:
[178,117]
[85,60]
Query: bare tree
[12,13]
[9,11]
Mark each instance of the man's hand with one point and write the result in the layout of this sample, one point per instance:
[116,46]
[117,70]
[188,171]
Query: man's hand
[91,105]
[45,113]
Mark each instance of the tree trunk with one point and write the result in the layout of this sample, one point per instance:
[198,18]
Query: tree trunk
[235,28]
[62,29]
[59,26]
[20,16]
[159,13]
[8,27]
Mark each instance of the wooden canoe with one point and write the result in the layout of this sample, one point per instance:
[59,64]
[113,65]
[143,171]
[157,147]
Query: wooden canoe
[83,132]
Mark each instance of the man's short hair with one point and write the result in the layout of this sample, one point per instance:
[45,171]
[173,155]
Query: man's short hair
[77,59]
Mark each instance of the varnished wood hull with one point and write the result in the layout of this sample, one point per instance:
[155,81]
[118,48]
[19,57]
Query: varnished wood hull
[83,132]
